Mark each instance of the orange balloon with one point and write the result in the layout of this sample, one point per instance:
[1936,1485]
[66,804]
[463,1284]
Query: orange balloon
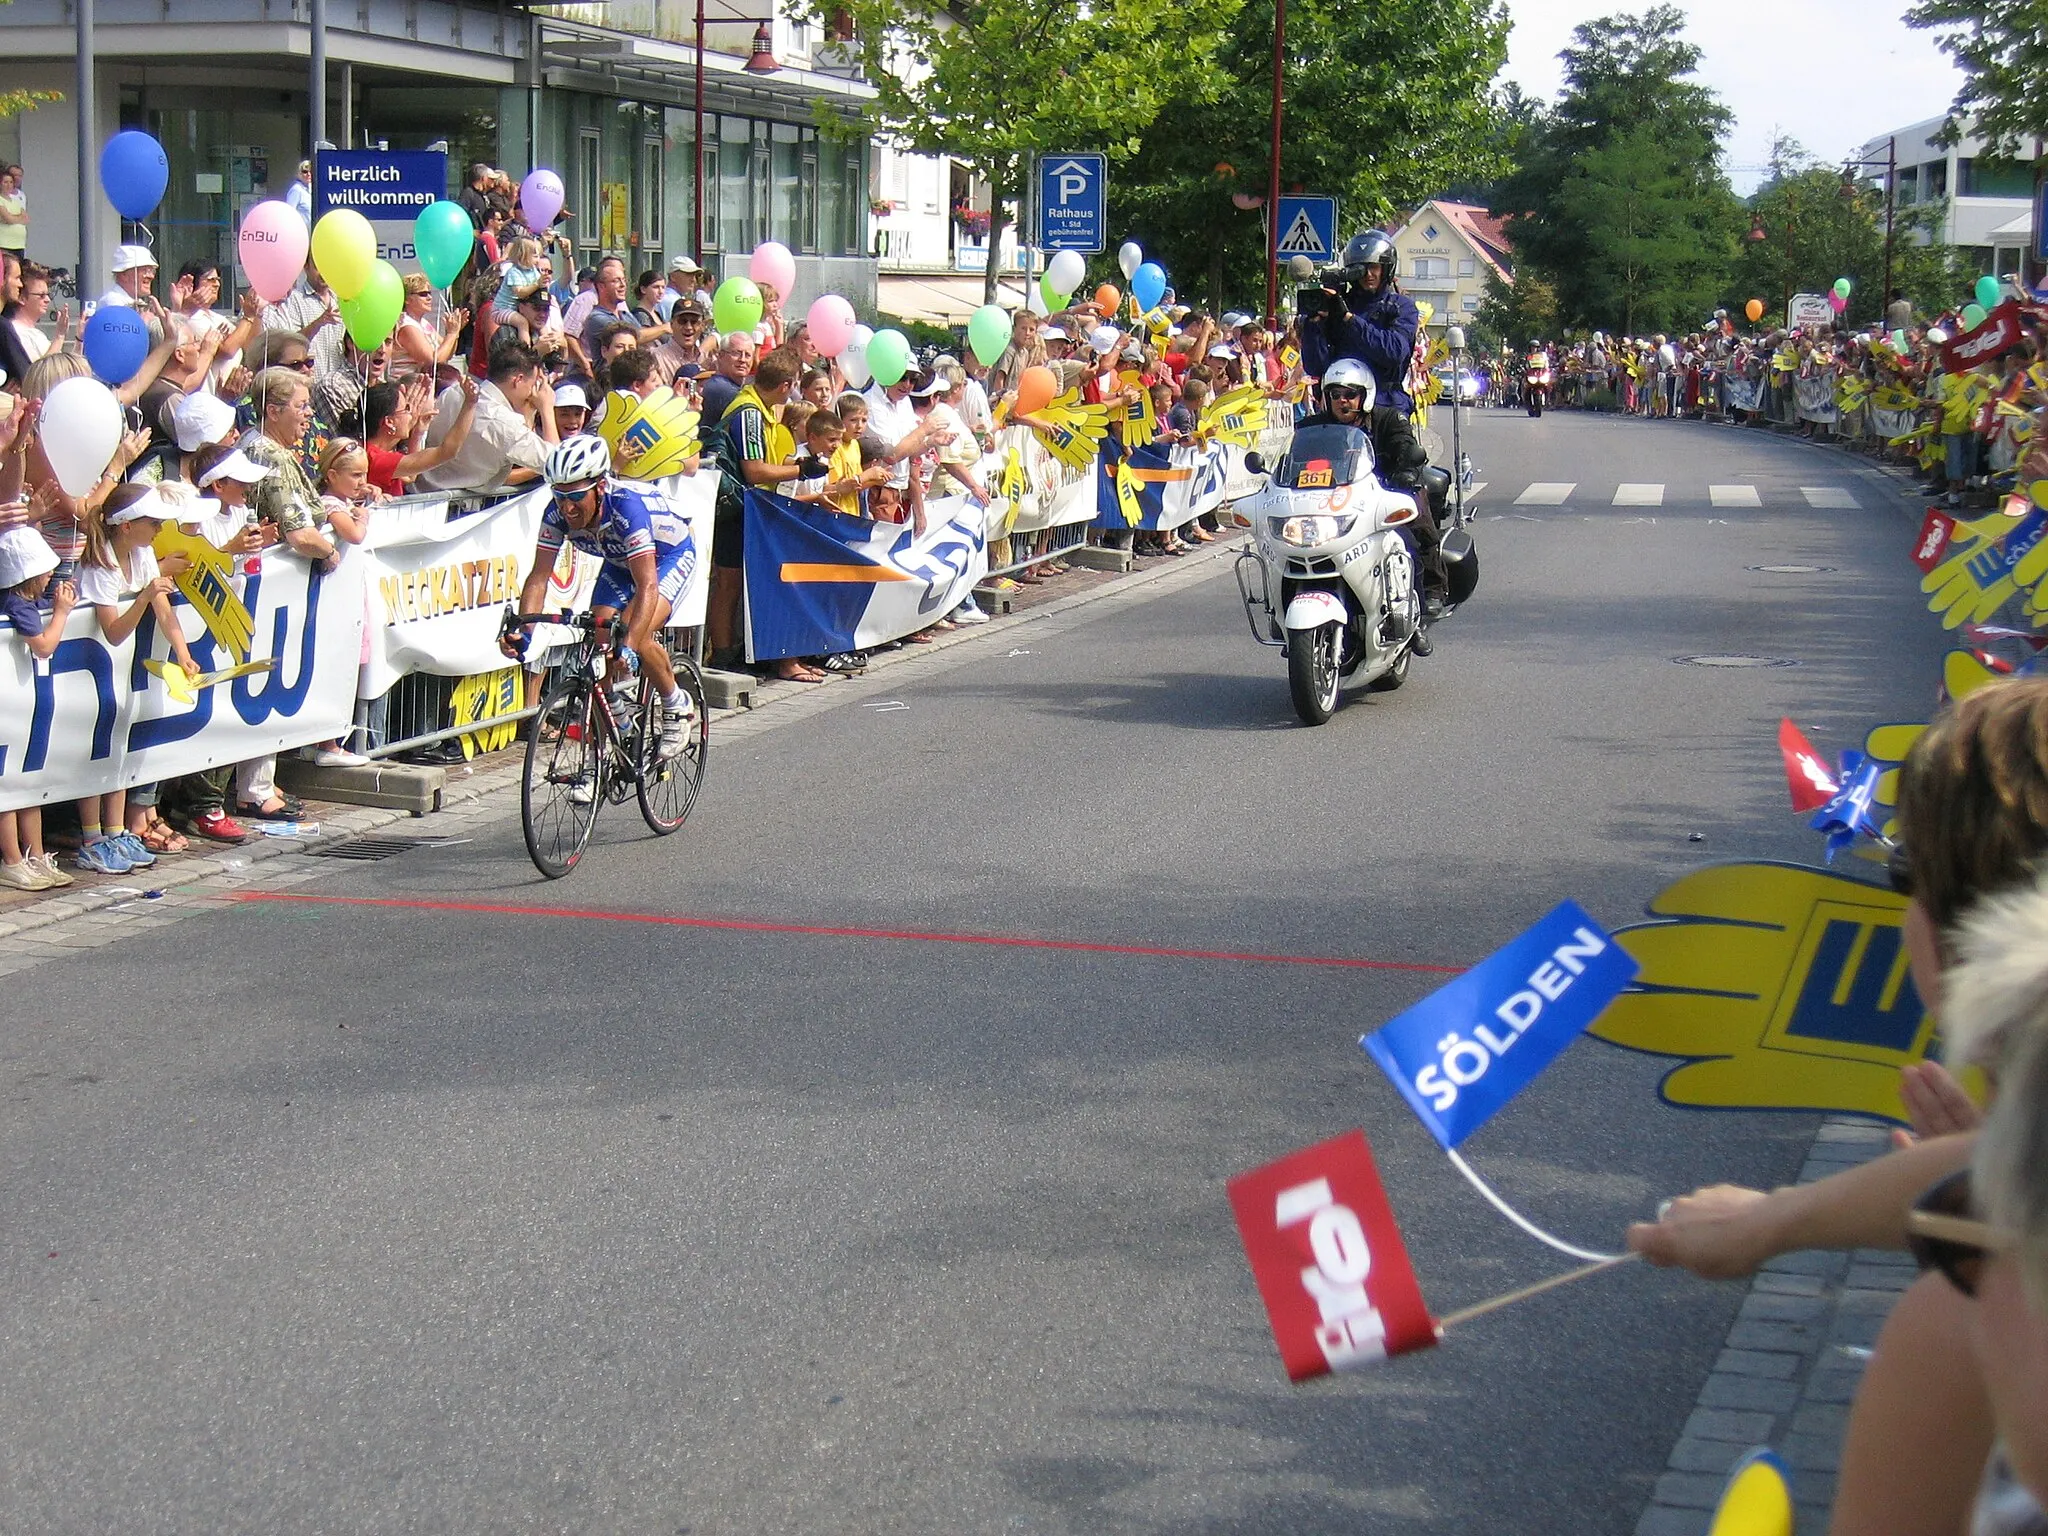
[1754,309]
[1036,388]
[1107,298]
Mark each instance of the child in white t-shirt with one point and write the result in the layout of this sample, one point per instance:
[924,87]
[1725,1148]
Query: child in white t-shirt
[26,564]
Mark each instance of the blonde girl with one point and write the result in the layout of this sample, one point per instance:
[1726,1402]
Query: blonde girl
[120,580]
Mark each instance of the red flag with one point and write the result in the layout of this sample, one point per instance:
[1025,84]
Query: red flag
[1338,1288]
[1805,771]
[1932,544]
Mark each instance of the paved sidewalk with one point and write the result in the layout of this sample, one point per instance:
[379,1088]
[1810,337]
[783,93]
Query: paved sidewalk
[1790,1365]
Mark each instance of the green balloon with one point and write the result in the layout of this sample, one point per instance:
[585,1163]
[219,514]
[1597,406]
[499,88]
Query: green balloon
[1987,291]
[736,306]
[1055,300]
[442,238]
[372,315]
[1843,287]
[1973,316]
[888,357]
[988,334]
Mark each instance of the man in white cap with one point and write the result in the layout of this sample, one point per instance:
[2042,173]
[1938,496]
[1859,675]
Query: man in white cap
[134,268]
[683,277]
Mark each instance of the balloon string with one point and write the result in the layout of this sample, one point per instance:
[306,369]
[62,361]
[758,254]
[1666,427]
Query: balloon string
[1523,1222]
[1495,1303]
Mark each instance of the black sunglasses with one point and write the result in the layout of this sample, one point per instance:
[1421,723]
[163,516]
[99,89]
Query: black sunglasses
[1943,1235]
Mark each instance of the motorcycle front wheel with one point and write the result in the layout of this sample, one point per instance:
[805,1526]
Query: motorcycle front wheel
[1313,664]
[1536,407]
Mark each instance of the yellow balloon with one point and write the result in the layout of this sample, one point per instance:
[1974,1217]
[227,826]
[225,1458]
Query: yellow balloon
[344,249]
[1757,1500]
[650,438]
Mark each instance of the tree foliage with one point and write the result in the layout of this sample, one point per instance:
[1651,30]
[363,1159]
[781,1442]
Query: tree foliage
[989,81]
[1618,198]
[1816,228]
[1386,103]
[1998,44]
[1515,313]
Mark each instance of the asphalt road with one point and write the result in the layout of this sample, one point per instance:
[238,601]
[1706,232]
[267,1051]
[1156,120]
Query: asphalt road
[354,1218]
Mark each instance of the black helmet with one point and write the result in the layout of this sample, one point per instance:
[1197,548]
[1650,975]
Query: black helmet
[1375,247]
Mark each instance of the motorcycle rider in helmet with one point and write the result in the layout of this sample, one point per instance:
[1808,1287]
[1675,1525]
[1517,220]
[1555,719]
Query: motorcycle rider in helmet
[1372,324]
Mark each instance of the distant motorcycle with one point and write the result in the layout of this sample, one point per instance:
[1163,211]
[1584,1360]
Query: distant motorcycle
[1536,382]
[1330,579]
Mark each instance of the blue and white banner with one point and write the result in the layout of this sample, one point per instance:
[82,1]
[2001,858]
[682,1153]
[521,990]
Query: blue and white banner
[1161,490]
[388,187]
[94,718]
[1462,1052]
[821,582]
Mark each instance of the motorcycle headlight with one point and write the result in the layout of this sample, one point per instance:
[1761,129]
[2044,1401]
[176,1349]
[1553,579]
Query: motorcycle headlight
[1306,532]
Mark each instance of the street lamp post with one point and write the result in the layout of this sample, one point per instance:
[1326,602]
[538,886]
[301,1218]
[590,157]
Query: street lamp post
[1273,173]
[1890,162]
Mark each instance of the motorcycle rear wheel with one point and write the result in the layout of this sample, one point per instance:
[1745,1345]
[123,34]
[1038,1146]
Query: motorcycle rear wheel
[1313,666]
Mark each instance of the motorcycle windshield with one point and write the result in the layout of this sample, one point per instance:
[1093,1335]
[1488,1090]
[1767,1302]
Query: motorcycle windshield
[1322,457]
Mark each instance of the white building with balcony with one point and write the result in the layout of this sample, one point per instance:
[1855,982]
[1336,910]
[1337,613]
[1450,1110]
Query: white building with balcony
[1984,203]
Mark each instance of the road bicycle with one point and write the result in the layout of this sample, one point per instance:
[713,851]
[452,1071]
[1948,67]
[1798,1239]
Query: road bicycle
[594,741]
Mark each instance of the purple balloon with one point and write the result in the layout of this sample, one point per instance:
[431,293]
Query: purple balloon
[540,198]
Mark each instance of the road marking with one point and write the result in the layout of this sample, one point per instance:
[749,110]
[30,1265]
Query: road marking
[743,925]
[1827,496]
[1626,495]
[1734,496]
[1547,493]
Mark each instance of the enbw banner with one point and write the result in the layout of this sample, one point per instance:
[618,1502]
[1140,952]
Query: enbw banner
[1470,1046]
[821,582]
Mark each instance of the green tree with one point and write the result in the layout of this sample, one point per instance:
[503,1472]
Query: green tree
[1516,313]
[1816,227]
[1618,198]
[1386,103]
[1998,46]
[990,81]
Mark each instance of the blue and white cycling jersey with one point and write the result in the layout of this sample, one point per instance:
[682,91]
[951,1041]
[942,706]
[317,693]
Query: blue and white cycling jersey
[632,520]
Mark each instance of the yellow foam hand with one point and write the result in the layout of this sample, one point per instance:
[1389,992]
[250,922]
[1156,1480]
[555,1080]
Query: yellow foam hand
[184,687]
[1141,422]
[1237,416]
[1972,583]
[1786,987]
[651,438]
[1127,499]
[2032,566]
[207,584]
[1073,432]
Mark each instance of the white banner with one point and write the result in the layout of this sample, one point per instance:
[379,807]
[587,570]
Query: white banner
[1054,496]
[1816,398]
[93,718]
[1278,432]
[437,588]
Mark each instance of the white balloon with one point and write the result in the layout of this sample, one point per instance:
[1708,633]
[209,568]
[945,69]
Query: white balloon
[1035,302]
[1130,256]
[1066,270]
[80,429]
[853,362]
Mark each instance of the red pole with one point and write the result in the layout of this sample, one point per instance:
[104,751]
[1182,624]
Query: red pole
[1273,175]
[697,149]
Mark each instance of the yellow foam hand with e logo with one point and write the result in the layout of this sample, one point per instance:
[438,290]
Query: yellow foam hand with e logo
[1971,584]
[1786,988]
[206,581]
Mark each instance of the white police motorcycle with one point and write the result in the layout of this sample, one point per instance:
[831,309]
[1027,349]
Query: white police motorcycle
[1330,579]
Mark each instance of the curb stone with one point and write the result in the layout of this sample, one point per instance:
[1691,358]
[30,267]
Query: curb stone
[1793,1358]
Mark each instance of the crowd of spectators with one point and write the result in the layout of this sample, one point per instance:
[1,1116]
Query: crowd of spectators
[1883,388]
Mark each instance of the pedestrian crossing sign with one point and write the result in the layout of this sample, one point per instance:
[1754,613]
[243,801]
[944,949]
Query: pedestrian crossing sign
[1306,226]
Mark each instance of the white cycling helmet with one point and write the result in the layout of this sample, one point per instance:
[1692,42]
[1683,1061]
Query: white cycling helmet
[1350,373]
[579,460]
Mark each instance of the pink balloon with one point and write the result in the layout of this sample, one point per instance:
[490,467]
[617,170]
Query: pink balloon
[1837,303]
[273,246]
[830,322]
[772,264]
[540,198]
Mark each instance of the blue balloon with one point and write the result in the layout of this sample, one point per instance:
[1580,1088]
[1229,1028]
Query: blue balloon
[1148,285]
[116,342]
[134,173]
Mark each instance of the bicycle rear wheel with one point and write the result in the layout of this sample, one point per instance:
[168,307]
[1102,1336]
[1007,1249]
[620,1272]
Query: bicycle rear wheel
[559,795]
[669,781]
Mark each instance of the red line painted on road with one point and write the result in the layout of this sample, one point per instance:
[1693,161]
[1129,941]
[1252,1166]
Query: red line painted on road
[819,930]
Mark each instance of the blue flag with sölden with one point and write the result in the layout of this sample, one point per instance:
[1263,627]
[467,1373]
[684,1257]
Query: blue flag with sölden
[1470,1046]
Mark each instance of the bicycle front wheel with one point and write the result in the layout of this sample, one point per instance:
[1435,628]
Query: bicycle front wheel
[671,777]
[559,795]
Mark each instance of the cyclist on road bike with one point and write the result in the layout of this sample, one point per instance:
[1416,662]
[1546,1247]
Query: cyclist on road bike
[648,558]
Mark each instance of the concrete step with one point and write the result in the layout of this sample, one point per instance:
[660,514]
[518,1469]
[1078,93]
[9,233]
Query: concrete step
[729,690]
[394,786]
[1099,558]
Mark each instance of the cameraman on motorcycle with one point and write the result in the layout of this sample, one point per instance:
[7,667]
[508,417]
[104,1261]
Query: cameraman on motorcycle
[1370,328]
